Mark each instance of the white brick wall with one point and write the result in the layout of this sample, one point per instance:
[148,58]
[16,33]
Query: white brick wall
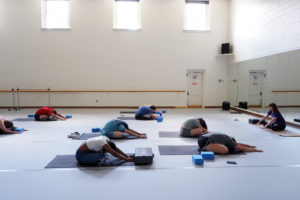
[264,27]
[93,56]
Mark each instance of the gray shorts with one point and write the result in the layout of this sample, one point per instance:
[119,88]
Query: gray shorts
[185,132]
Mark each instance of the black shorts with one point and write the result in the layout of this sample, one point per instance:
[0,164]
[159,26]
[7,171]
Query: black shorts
[141,117]
[203,143]
[277,127]
[37,117]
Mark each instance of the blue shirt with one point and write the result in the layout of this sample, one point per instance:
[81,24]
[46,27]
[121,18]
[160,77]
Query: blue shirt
[144,110]
[279,119]
[114,125]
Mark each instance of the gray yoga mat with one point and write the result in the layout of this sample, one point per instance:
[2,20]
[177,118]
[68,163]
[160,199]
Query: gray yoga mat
[69,161]
[169,134]
[23,119]
[127,112]
[178,149]
[85,136]
[184,150]
[126,118]
[27,119]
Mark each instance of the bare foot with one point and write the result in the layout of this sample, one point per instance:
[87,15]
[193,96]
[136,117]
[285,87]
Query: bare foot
[143,136]
[258,150]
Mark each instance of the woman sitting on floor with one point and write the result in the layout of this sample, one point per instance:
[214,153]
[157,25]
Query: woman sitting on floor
[118,129]
[7,126]
[93,151]
[220,143]
[277,122]
[193,127]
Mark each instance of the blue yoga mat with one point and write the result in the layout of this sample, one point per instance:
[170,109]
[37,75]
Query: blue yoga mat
[69,161]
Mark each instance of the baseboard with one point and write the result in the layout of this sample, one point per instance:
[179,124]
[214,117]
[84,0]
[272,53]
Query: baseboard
[213,106]
[194,106]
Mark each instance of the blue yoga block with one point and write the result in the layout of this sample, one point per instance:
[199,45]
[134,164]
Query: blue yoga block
[197,159]
[164,111]
[19,129]
[94,130]
[31,115]
[160,119]
[69,116]
[208,155]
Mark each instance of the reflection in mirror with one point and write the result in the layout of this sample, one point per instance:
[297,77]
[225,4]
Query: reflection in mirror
[265,80]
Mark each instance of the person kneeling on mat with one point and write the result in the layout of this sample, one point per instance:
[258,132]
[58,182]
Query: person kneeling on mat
[220,143]
[118,129]
[193,127]
[94,151]
[145,113]
[277,122]
[7,127]
[46,114]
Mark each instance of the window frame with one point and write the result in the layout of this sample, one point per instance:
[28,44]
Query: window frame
[115,18]
[44,16]
[208,14]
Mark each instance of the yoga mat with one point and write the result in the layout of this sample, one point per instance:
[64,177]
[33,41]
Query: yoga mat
[184,150]
[169,134]
[127,112]
[31,119]
[69,161]
[285,133]
[23,119]
[178,149]
[85,136]
[126,118]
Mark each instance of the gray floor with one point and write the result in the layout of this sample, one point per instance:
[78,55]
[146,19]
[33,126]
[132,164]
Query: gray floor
[274,174]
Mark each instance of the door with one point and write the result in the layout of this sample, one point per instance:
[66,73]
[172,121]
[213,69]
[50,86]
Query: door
[256,89]
[195,87]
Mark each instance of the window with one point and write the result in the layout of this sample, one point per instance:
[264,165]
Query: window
[55,14]
[196,15]
[127,14]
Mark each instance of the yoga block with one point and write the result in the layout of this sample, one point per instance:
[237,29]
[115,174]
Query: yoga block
[226,105]
[208,155]
[253,121]
[164,111]
[160,119]
[31,115]
[143,156]
[95,130]
[297,120]
[197,159]
[69,116]
[243,104]
[158,113]
[19,129]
